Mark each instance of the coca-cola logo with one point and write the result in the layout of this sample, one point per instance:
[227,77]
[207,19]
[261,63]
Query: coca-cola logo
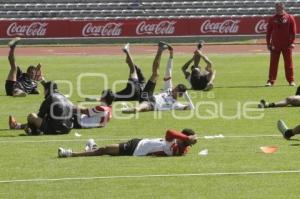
[261,26]
[227,26]
[107,30]
[161,28]
[33,29]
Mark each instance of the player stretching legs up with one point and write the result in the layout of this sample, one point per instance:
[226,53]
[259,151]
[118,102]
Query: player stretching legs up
[19,84]
[174,144]
[285,131]
[166,100]
[199,79]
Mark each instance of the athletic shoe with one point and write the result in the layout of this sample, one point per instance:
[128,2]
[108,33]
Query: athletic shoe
[269,84]
[12,122]
[90,145]
[64,153]
[200,44]
[126,48]
[14,42]
[263,104]
[163,45]
[283,128]
[292,83]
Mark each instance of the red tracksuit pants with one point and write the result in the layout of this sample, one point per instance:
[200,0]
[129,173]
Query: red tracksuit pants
[288,64]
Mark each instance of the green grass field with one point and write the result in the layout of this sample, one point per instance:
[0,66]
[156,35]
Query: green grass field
[234,167]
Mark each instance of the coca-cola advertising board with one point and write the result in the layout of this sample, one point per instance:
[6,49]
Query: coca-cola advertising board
[135,27]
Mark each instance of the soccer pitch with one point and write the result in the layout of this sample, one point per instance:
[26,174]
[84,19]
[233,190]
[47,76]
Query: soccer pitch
[235,167]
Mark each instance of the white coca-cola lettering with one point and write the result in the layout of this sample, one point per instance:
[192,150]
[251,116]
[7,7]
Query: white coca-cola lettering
[161,28]
[33,29]
[227,26]
[107,30]
[261,26]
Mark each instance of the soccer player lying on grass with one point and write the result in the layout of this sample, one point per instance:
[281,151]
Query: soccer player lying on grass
[135,84]
[95,117]
[166,100]
[289,101]
[285,131]
[54,117]
[174,144]
[19,84]
[199,79]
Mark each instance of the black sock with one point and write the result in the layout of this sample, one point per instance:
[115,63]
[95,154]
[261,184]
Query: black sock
[289,133]
[271,105]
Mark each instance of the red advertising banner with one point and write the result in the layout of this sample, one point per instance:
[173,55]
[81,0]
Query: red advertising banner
[135,27]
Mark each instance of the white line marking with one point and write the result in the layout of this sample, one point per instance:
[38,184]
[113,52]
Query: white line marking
[150,176]
[124,138]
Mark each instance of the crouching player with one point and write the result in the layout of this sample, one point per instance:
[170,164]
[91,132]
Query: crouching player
[95,117]
[174,144]
[166,100]
[55,114]
[19,84]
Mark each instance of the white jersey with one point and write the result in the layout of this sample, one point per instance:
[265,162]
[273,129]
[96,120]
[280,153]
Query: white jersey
[96,117]
[165,101]
[154,146]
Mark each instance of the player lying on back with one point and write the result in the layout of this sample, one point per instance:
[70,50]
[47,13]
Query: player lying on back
[174,144]
[97,116]
[135,84]
[19,84]
[293,100]
[166,100]
[199,79]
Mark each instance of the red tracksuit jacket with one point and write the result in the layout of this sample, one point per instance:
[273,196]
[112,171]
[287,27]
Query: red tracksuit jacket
[281,31]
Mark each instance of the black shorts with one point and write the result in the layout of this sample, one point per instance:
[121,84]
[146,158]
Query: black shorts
[10,87]
[147,93]
[198,83]
[131,92]
[127,148]
[50,126]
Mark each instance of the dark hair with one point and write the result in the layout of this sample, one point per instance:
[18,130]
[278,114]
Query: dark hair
[181,88]
[200,44]
[188,132]
[31,67]
[108,96]
[50,86]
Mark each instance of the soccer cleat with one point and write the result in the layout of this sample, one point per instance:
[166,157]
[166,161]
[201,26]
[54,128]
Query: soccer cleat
[90,145]
[14,42]
[292,83]
[200,44]
[12,122]
[263,104]
[64,153]
[162,45]
[283,128]
[269,84]
[126,48]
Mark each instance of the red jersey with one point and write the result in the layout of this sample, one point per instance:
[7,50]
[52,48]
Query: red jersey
[281,31]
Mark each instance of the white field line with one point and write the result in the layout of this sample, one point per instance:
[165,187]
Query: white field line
[150,176]
[126,138]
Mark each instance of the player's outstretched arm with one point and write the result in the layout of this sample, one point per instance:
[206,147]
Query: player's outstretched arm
[186,66]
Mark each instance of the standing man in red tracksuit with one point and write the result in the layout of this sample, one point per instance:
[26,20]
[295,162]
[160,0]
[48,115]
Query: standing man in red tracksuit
[281,33]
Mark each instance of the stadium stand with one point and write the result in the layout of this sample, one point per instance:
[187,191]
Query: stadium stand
[111,9]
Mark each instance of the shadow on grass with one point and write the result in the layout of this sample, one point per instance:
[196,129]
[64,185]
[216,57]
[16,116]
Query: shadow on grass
[246,86]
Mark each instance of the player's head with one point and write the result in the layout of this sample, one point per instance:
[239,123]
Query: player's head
[107,96]
[188,132]
[200,44]
[49,88]
[279,8]
[31,71]
[179,90]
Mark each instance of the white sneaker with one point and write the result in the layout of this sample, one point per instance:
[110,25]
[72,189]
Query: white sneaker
[292,84]
[268,84]
[90,145]
[14,42]
[126,48]
[282,127]
[64,153]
